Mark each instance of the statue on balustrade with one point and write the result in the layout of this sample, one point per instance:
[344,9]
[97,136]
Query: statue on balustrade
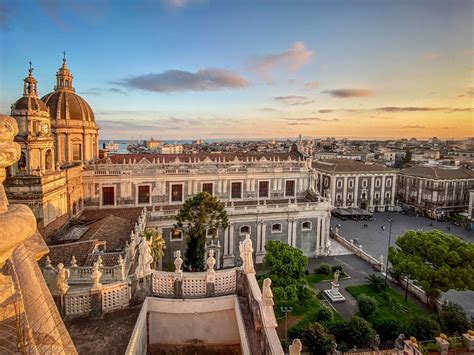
[267,294]
[296,347]
[178,262]
[95,276]
[248,255]
[61,279]
[145,259]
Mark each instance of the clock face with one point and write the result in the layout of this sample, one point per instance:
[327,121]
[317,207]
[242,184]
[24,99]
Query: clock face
[45,128]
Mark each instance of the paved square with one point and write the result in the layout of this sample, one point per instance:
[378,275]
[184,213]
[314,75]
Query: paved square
[374,240]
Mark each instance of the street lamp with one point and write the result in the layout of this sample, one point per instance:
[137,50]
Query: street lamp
[388,247]
[286,310]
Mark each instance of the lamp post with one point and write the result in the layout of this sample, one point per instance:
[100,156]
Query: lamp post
[286,310]
[388,247]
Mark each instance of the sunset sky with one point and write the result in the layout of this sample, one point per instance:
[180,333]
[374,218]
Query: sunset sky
[179,69]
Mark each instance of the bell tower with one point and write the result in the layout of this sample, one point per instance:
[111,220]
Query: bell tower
[34,136]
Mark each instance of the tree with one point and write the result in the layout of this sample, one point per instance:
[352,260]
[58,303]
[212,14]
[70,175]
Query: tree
[317,340]
[453,319]
[361,332]
[436,261]
[199,216]
[377,283]
[367,305]
[287,266]
[157,246]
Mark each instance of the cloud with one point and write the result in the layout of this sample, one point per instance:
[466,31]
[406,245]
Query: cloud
[290,60]
[349,93]
[310,119]
[409,109]
[294,100]
[117,91]
[462,109]
[468,93]
[178,81]
[413,127]
[92,92]
[297,124]
[311,85]
[325,111]
[177,4]
[268,109]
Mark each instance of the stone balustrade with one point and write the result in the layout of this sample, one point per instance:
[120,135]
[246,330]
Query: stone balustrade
[79,302]
[375,263]
[82,274]
[192,284]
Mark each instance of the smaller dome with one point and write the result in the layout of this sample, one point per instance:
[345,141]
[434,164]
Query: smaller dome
[30,103]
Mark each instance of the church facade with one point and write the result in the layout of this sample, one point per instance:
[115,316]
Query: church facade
[270,196]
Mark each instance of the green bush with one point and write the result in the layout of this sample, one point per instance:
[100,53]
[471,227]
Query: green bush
[361,332]
[335,268]
[453,319]
[317,340]
[367,305]
[324,315]
[377,283]
[388,326]
[324,269]
[339,329]
[424,327]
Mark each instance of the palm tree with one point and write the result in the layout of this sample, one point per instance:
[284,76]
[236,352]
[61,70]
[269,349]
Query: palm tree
[157,246]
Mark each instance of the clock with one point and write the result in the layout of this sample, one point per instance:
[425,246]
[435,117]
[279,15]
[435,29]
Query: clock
[45,128]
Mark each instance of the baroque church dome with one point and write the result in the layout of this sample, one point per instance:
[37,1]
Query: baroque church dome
[63,102]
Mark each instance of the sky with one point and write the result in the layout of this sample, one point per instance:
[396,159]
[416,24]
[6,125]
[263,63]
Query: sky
[188,69]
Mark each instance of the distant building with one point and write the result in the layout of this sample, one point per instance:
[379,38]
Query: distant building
[394,158]
[351,183]
[171,149]
[198,141]
[152,144]
[435,191]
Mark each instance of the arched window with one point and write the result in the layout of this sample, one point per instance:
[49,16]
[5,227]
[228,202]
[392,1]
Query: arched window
[351,183]
[339,184]
[244,230]
[307,226]
[48,158]
[364,183]
[176,234]
[276,228]
[388,182]
[22,162]
[377,182]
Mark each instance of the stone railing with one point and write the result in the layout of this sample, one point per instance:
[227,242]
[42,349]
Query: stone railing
[82,274]
[192,284]
[264,325]
[375,263]
[86,301]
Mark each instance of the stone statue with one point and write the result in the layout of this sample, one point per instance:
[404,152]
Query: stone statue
[296,347]
[241,253]
[95,276]
[61,279]
[336,277]
[9,153]
[73,261]
[399,342]
[376,342]
[211,261]
[248,255]
[178,261]
[144,259]
[267,294]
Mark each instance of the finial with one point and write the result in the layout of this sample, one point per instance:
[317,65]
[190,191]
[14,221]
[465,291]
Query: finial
[64,57]
[30,70]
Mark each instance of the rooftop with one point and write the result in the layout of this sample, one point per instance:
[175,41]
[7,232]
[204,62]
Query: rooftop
[438,173]
[348,165]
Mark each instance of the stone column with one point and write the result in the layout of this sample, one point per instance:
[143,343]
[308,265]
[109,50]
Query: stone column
[67,149]
[344,192]
[382,193]
[356,191]
[318,235]
[264,237]
[259,236]
[294,234]
[229,259]
[372,183]
[290,229]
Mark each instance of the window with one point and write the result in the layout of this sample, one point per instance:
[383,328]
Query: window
[307,226]
[236,190]
[176,235]
[276,228]
[338,197]
[108,195]
[144,194]
[364,196]
[364,183]
[48,160]
[177,193]
[387,195]
[263,189]
[211,233]
[290,188]
[76,151]
[351,183]
[349,197]
[208,187]
[389,182]
[377,196]
[326,182]
[377,182]
[244,230]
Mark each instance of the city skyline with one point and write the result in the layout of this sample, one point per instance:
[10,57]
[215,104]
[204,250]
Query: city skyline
[184,69]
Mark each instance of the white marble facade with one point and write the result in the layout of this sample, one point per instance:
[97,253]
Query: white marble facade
[269,196]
